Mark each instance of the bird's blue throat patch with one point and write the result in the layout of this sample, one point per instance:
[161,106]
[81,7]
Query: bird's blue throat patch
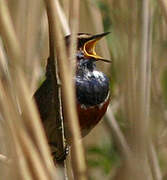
[92,86]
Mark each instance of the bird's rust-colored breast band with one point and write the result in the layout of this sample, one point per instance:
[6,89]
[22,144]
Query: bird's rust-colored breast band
[90,116]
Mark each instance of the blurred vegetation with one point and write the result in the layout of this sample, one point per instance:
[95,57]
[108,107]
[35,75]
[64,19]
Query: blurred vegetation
[141,121]
[105,157]
[115,19]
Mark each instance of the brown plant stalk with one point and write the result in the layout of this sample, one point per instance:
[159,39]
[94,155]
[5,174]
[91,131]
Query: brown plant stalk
[68,92]
[19,86]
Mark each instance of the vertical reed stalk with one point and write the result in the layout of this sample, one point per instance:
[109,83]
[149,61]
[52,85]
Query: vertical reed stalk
[68,92]
[141,121]
[29,121]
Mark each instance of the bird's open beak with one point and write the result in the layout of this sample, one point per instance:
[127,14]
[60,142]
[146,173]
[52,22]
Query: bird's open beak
[90,45]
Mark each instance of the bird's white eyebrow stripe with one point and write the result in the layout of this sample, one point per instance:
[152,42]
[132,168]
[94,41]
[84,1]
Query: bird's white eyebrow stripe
[84,36]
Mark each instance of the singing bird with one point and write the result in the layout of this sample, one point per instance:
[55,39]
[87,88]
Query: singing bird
[92,88]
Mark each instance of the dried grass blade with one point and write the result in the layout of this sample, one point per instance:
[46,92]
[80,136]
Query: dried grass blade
[67,90]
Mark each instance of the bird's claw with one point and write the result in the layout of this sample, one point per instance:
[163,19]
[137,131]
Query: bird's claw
[62,156]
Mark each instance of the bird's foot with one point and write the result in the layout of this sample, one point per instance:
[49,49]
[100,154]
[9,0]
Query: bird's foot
[57,156]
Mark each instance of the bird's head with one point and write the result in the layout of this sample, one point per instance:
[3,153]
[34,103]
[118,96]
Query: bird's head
[86,46]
